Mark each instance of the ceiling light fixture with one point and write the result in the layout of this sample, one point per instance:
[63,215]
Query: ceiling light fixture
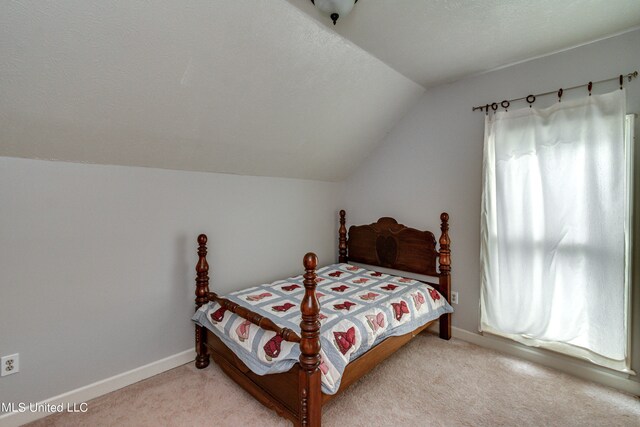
[335,8]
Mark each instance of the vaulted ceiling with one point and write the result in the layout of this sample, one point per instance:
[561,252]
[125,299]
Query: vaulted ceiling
[438,41]
[259,87]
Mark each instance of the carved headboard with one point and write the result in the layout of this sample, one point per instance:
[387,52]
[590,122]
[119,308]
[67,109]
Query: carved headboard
[386,243]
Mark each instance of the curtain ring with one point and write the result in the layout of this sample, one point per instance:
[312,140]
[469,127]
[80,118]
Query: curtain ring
[560,95]
[531,99]
[505,104]
[590,86]
[486,109]
[621,78]
[494,106]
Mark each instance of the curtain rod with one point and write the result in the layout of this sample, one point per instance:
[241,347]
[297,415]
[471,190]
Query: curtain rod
[532,98]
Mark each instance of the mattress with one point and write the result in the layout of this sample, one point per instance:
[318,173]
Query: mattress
[359,309]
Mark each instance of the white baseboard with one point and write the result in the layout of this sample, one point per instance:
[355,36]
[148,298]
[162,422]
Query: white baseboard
[570,365]
[100,388]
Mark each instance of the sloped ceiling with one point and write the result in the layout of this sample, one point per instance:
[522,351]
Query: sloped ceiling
[257,87]
[433,42]
[247,87]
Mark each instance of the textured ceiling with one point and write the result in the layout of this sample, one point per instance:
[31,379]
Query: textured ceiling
[247,87]
[438,41]
[258,87]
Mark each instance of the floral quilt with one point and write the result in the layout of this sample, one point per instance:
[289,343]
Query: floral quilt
[359,309]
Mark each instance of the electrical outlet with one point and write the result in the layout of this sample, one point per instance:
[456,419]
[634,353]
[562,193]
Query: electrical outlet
[10,365]
[454,297]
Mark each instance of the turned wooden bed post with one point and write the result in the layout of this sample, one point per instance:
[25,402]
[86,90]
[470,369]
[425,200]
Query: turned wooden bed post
[342,238]
[445,274]
[202,297]
[310,394]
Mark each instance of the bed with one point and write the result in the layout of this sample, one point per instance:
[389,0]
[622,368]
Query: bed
[295,362]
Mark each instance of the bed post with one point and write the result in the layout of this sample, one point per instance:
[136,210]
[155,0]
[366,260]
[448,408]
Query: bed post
[342,238]
[202,297]
[445,274]
[309,392]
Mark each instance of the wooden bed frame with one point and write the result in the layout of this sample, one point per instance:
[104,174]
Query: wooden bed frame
[296,394]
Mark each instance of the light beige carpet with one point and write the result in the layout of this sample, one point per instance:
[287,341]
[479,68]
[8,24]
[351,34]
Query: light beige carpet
[430,382]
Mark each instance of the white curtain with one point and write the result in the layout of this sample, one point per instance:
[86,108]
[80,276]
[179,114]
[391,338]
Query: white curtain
[555,216]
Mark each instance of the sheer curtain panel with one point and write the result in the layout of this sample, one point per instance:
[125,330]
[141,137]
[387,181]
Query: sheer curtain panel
[555,223]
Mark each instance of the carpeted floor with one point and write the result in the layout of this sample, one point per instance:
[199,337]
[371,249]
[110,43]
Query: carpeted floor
[430,382]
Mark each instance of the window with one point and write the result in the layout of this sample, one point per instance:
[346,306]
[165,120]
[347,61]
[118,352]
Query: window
[556,227]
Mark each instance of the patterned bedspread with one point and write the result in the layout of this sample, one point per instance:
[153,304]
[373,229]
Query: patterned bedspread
[359,308]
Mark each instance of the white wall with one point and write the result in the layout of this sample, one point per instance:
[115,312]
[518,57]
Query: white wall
[432,160]
[97,262]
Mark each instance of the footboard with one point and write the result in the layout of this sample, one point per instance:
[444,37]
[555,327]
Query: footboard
[305,409]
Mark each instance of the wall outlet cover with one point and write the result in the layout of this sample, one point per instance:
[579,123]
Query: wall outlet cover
[454,297]
[9,365]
